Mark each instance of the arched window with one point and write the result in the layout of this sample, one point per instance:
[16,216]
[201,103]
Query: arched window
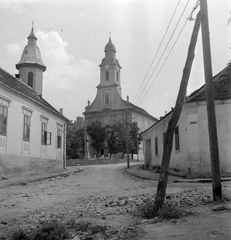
[30,79]
[117,76]
[106,99]
[107,75]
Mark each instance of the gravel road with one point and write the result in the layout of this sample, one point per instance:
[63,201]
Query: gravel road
[103,193]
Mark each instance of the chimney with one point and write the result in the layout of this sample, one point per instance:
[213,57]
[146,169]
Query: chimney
[17,75]
[61,110]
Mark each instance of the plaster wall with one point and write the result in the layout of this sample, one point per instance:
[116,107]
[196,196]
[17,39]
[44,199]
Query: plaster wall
[16,154]
[223,119]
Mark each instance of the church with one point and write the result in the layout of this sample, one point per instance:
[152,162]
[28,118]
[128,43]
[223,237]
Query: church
[108,105]
[32,132]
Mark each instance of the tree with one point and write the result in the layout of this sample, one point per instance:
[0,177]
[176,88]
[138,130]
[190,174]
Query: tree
[135,138]
[117,137]
[98,135]
[74,141]
[112,138]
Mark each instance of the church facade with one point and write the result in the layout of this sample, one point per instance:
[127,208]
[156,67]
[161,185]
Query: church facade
[32,132]
[108,105]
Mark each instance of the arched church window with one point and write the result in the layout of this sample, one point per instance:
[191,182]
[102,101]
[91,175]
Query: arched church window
[30,79]
[117,76]
[106,99]
[107,75]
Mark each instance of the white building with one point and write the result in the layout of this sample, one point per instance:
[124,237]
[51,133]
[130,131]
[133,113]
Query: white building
[32,132]
[190,154]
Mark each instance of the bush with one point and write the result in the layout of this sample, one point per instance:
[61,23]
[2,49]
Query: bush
[19,235]
[169,211]
[51,231]
[145,210]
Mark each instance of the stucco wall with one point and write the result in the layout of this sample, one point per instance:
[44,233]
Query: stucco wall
[17,155]
[223,118]
[193,158]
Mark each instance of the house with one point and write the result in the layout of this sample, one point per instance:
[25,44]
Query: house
[190,153]
[32,132]
[108,105]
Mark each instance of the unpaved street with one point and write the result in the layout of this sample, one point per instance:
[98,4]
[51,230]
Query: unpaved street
[99,193]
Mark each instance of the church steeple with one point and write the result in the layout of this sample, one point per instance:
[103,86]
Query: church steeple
[31,66]
[110,68]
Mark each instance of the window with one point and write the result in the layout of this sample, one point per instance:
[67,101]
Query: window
[156,146]
[107,75]
[3,120]
[117,76]
[44,129]
[177,139]
[59,136]
[46,136]
[30,79]
[106,99]
[26,128]
[164,138]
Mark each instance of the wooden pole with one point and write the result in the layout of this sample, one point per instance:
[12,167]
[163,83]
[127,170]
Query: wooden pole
[212,126]
[163,179]
[127,136]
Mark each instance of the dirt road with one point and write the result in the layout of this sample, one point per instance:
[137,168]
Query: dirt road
[101,193]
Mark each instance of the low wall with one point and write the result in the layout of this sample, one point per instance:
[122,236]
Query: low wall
[15,165]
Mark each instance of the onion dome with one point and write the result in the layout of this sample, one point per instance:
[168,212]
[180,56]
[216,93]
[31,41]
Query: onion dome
[110,46]
[31,54]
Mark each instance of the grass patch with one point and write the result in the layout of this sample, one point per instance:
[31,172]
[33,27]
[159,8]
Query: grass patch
[169,211]
[48,231]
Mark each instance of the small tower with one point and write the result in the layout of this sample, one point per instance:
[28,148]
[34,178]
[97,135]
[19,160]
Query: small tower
[31,66]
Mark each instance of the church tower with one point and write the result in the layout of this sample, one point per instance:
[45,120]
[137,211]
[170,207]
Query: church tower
[31,66]
[110,74]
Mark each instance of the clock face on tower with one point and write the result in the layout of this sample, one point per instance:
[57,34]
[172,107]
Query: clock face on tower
[106,67]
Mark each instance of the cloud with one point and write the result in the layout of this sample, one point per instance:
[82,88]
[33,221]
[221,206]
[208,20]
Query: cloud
[13,49]
[63,70]
[15,5]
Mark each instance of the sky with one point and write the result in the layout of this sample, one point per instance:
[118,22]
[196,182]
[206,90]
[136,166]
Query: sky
[151,48]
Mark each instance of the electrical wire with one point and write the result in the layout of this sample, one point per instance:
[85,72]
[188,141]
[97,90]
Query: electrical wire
[174,30]
[134,100]
[57,16]
[188,19]
[81,19]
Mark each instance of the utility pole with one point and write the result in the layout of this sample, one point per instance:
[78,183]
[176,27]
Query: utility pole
[212,126]
[127,136]
[163,179]
[127,140]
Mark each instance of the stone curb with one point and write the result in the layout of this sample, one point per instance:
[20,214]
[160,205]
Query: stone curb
[34,178]
[180,180]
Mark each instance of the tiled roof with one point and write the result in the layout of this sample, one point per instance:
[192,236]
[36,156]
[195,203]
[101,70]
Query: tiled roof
[139,110]
[13,84]
[221,84]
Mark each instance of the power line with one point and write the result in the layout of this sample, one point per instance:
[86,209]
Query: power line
[81,19]
[57,16]
[157,50]
[188,19]
[174,30]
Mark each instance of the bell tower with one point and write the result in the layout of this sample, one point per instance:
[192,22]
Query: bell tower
[110,69]
[31,66]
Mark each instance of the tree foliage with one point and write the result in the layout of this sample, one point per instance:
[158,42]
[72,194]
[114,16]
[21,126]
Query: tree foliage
[74,141]
[113,136]
[98,135]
